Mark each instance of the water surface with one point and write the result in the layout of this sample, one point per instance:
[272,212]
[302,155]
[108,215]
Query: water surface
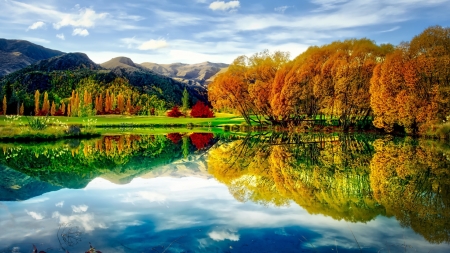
[203,193]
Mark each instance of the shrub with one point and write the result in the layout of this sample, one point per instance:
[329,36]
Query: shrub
[38,123]
[200,110]
[175,112]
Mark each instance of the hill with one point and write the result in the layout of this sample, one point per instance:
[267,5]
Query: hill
[64,73]
[17,54]
[120,62]
[193,74]
[137,74]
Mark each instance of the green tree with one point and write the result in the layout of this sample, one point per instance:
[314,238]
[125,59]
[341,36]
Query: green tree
[185,101]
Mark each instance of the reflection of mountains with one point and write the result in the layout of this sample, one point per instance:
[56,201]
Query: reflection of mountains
[17,186]
[118,159]
[345,177]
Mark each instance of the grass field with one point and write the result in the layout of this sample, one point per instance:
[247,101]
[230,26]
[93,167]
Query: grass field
[17,128]
[120,120]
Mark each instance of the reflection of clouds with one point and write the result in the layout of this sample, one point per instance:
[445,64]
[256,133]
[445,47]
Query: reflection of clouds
[85,220]
[223,235]
[152,196]
[143,195]
[80,208]
[60,204]
[36,216]
[194,203]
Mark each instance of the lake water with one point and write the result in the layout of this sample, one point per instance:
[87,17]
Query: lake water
[264,192]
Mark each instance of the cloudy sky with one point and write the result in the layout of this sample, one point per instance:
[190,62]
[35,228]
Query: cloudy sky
[192,31]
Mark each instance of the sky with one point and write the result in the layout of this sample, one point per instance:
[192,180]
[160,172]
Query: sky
[193,31]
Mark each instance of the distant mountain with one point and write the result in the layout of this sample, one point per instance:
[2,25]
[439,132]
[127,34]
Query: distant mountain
[194,74]
[120,62]
[78,66]
[17,54]
[136,73]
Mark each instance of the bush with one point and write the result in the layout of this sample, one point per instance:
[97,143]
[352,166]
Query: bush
[200,110]
[175,112]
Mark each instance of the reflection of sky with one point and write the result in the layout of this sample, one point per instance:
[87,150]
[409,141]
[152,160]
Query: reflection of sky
[186,213]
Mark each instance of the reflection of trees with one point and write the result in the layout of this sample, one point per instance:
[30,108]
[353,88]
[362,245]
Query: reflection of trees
[117,158]
[323,174]
[412,180]
[344,177]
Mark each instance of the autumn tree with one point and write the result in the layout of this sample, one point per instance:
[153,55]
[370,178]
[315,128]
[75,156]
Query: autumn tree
[5,105]
[22,109]
[45,105]
[37,109]
[121,103]
[200,110]
[411,87]
[53,109]
[175,112]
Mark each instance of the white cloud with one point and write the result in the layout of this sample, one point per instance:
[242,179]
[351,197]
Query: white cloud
[80,32]
[86,17]
[328,4]
[224,6]
[36,25]
[36,216]
[80,208]
[223,235]
[60,36]
[282,9]
[153,44]
[59,204]
[130,42]
[390,30]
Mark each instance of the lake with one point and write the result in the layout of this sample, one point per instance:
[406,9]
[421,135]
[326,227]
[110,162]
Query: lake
[204,192]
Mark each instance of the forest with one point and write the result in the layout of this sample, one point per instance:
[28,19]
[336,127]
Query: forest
[351,84]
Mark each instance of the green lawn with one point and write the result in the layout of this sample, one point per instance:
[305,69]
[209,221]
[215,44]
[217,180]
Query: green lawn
[121,120]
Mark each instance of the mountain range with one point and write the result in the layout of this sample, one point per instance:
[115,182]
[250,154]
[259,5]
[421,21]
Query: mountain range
[192,74]
[17,54]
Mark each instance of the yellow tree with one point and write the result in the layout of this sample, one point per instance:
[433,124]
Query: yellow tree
[5,105]
[37,109]
[63,108]
[46,104]
[22,109]
[53,108]
[129,108]
[121,103]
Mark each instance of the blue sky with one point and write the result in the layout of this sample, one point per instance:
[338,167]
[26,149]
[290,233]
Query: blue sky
[192,31]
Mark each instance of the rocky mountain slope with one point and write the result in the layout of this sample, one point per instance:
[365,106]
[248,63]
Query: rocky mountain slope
[17,54]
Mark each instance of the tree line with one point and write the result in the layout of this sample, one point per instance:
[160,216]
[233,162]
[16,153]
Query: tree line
[349,83]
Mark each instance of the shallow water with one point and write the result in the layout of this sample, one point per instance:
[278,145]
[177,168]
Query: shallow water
[277,193]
